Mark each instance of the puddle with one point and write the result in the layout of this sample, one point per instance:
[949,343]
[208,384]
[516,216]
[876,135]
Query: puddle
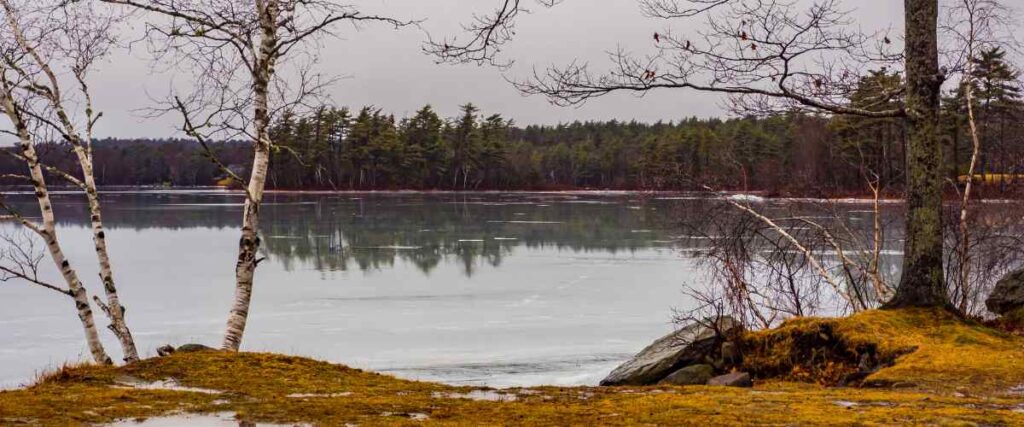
[415,416]
[223,419]
[480,395]
[167,384]
[845,403]
[308,395]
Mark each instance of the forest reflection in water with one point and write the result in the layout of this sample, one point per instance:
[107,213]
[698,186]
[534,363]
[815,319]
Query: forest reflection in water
[493,289]
[336,232]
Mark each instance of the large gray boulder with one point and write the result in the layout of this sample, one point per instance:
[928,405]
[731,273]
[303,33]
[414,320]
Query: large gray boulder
[690,375]
[1008,295]
[693,344]
[733,379]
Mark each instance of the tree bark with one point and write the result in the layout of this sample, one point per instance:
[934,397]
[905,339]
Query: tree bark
[113,308]
[248,245]
[921,284]
[48,232]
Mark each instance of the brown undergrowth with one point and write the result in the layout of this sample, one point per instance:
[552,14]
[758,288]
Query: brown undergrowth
[928,349]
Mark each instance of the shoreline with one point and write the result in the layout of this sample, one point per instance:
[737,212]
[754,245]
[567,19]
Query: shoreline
[745,196]
[957,372]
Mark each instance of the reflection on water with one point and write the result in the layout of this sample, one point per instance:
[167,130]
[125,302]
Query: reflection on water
[481,289]
[373,231]
[370,233]
[466,288]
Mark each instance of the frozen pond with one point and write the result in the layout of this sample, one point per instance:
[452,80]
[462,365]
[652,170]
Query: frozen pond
[488,289]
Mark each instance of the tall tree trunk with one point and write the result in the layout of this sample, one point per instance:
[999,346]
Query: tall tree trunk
[49,233]
[113,308]
[248,245]
[922,280]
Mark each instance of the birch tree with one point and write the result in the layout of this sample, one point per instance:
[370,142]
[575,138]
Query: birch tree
[768,56]
[236,51]
[18,261]
[59,47]
[975,26]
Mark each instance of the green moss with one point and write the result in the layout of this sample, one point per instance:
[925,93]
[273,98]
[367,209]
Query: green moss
[960,373]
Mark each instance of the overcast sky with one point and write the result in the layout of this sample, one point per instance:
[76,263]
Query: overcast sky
[386,68]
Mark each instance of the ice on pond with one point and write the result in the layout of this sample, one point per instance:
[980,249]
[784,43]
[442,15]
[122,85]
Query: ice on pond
[526,222]
[746,198]
[506,312]
[393,247]
[204,205]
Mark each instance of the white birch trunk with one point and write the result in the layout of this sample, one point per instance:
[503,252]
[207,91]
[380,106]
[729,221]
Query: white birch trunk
[114,310]
[248,245]
[965,236]
[49,233]
[811,259]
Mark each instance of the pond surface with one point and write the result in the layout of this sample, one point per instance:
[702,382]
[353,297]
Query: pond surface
[484,289]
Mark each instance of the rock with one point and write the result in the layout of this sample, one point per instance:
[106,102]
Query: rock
[1008,295]
[735,379]
[692,344]
[690,375]
[165,351]
[191,348]
[728,355]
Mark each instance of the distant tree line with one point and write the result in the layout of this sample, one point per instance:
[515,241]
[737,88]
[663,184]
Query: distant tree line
[368,149]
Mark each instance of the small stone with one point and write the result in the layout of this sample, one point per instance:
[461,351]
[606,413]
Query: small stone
[690,375]
[164,351]
[735,379]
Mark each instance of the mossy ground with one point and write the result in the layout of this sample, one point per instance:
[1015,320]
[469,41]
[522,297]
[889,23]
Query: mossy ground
[958,373]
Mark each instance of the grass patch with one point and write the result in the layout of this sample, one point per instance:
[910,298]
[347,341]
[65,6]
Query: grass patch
[960,373]
[928,349]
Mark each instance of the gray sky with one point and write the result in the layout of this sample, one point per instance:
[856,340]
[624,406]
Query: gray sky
[386,68]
